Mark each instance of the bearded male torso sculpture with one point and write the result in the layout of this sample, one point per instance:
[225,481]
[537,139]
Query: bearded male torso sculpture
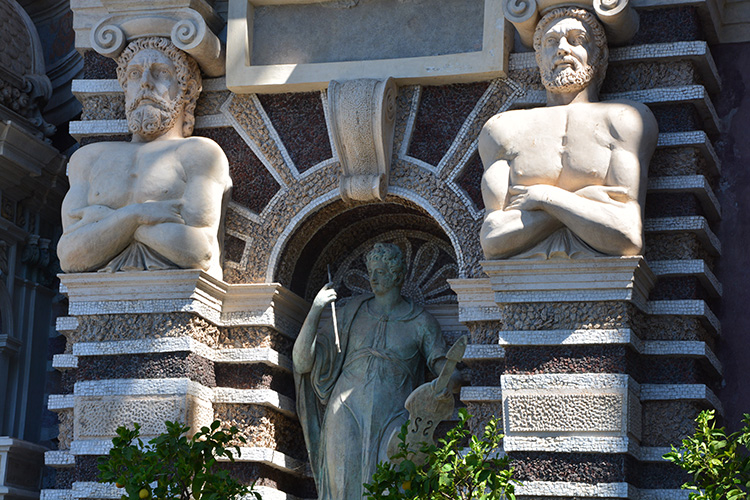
[156,202]
[569,179]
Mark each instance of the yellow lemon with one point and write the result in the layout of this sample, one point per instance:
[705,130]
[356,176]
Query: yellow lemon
[143,494]
[406,485]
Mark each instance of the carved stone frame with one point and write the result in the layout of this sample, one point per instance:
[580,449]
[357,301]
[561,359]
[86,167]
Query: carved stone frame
[243,77]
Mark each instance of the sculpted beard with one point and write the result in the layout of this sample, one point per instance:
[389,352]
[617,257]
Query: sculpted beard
[152,118]
[568,79]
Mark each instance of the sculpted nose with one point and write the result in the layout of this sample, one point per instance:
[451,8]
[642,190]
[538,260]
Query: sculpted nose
[146,82]
[563,47]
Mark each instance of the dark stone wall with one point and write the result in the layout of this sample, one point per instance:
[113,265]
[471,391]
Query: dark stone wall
[733,270]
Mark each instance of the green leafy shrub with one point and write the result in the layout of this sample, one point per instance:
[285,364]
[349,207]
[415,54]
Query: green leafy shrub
[449,472]
[718,462]
[172,466]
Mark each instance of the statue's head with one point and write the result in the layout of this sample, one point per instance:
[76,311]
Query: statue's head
[571,50]
[385,265]
[160,83]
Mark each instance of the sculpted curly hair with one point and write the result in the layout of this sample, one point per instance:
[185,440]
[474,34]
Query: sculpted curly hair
[389,254]
[188,73]
[601,58]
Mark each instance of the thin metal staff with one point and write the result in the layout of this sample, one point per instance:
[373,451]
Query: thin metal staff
[333,315]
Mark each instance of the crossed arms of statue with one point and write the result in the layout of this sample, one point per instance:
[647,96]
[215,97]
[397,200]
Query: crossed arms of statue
[183,230]
[607,215]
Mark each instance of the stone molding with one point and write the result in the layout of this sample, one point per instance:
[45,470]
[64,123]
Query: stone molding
[25,155]
[362,114]
[569,280]
[249,355]
[185,290]
[245,77]
[20,467]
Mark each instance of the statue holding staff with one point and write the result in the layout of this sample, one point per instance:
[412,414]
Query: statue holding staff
[351,402]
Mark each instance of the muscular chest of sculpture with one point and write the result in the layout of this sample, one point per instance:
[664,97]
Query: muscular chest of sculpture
[567,180]
[351,401]
[156,202]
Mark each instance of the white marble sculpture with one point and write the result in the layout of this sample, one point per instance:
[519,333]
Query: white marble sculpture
[156,202]
[567,180]
[350,397]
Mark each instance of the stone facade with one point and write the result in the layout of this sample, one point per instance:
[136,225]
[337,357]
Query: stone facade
[643,364]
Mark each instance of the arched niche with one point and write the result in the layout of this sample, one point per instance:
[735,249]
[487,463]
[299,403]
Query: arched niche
[339,235]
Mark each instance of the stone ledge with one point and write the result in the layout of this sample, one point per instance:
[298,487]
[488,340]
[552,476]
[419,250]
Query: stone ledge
[185,290]
[695,138]
[263,397]
[60,458]
[680,392]
[87,128]
[691,267]
[625,336]
[590,382]
[273,458]
[569,489]
[694,308]
[64,362]
[481,352]
[695,184]
[571,444]
[142,387]
[248,355]
[56,495]
[569,337]
[66,324]
[268,456]
[93,490]
[180,387]
[59,402]
[664,494]
[481,394]
[686,348]
[696,224]
[84,88]
[567,280]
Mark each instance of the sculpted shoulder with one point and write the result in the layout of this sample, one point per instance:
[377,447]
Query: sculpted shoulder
[87,156]
[205,155]
[499,131]
[630,119]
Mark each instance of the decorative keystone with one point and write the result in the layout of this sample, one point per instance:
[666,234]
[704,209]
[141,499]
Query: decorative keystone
[362,120]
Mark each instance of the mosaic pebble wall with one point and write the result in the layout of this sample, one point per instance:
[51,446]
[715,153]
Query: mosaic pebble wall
[300,122]
[262,425]
[285,223]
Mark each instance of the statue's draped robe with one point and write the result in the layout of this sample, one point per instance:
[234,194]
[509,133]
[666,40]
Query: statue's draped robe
[138,257]
[351,402]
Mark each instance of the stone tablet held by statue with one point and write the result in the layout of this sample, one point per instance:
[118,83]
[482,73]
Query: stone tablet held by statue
[158,201]
[567,180]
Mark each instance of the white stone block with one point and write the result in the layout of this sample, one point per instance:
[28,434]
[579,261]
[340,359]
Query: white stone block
[185,290]
[579,409]
[569,280]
